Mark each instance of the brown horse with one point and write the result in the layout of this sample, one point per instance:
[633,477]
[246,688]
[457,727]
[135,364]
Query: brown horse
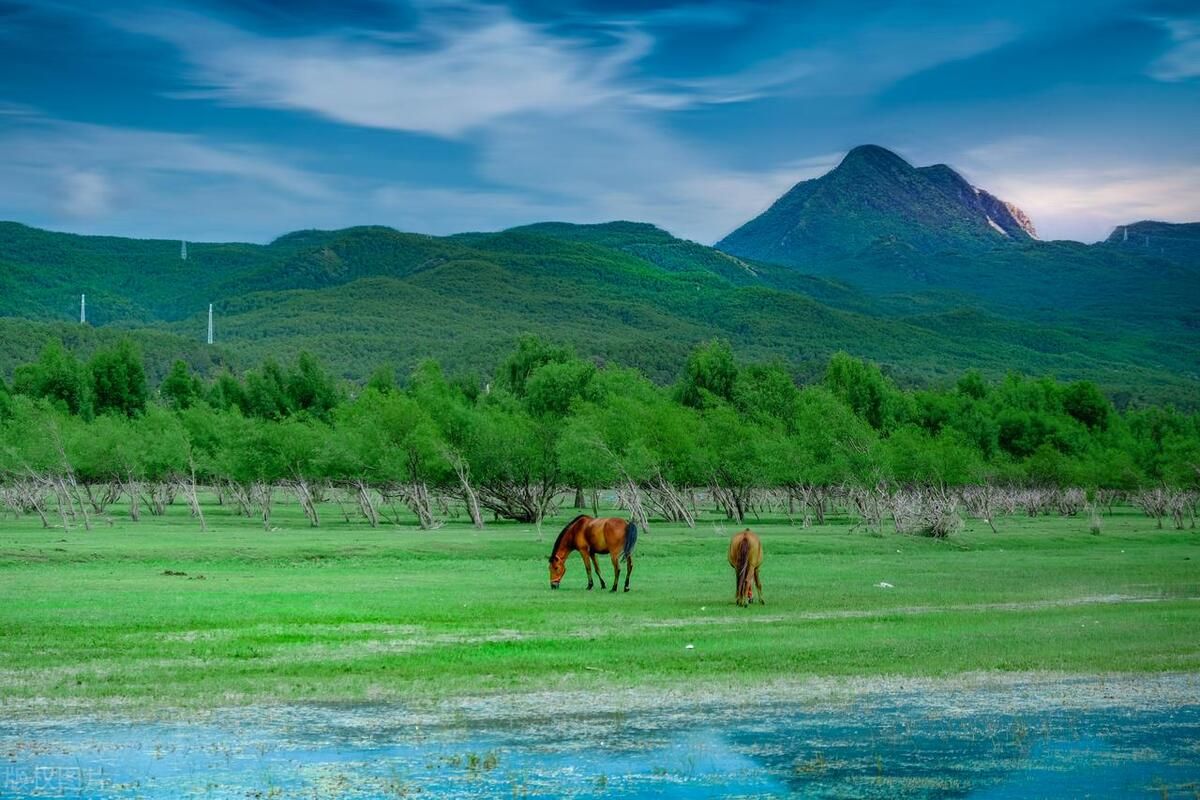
[592,535]
[746,556]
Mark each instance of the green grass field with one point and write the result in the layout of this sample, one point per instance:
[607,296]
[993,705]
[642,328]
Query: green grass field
[91,620]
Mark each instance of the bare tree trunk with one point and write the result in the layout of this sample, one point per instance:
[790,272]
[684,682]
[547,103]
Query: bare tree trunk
[339,497]
[32,496]
[60,495]
[633,501]
[418,500]
[193,497]
[133,489]
[669,501]
[366,504]
[264,495]
[463,470]
[78,497]
[307,504]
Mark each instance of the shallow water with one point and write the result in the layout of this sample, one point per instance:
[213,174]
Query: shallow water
[972,744]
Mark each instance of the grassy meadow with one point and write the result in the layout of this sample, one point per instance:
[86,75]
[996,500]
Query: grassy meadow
[156,614]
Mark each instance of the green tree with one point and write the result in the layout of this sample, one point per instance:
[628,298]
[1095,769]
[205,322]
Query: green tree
[864,388]
[551,388]
[310,388]
[972,385]
[383,379]
[709,376]
[737,458]
[832,444]
[57,376]
[266,392]
[947,459]
[180,389]
[227,392]
[531,352]
[119,380]
[767,391]
[1085,402]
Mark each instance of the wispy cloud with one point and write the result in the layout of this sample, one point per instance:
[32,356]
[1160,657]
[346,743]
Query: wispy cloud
[1182,60]
[51,142]
[105,176]
[86,193]
[465,66]
[445,78]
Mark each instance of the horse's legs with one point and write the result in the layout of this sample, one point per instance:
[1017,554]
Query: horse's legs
[587,564]
[758,583]
[628,570]
[616,559]
[596,564]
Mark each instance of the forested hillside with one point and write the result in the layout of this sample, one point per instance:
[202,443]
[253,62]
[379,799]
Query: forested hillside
[623,293]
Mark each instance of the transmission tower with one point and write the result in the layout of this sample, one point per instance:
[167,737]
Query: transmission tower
[210,325]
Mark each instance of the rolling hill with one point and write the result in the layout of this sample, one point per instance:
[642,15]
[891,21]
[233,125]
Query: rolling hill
[624,292]
[913,268]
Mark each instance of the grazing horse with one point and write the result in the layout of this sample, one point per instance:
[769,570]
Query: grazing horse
[592,535]
[746,556]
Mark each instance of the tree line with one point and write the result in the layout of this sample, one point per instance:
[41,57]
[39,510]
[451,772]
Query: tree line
[549,428]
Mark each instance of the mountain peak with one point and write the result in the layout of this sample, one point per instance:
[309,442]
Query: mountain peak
[875,198]
[873,154]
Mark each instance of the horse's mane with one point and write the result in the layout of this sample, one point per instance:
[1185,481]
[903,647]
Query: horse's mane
[563,533]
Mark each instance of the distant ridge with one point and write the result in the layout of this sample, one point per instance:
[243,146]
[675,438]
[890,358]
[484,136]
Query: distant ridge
[1175,241]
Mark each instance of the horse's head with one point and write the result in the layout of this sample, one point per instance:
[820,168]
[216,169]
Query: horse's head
[558,565]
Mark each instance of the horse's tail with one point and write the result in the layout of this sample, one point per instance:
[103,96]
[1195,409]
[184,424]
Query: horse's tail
[631,531]
[743,566]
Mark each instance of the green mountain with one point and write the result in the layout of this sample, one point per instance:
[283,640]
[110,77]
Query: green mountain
[875,198]
[623,292]
[925,238]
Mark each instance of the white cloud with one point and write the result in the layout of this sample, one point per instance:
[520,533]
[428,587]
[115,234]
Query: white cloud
[43,142]
[468,65]
[1182,60]
[1087,204]
[86,193]
[445,79]
[147,183]
[1069,199]
[620,167]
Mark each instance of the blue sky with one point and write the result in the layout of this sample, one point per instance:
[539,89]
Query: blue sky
[244,119]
